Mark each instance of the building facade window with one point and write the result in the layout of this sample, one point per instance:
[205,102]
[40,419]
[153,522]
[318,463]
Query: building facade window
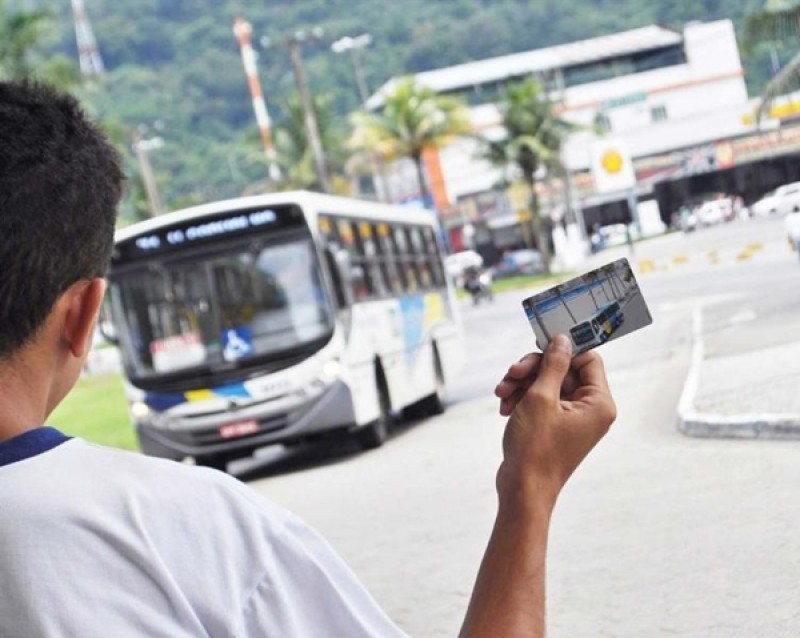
[658,113]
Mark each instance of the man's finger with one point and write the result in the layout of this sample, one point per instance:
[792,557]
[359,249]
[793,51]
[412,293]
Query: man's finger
[590,369]
[554,367]
[524,366]
[518,372]
[508,404]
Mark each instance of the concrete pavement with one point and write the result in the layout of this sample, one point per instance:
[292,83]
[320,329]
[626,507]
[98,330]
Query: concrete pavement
[744,376]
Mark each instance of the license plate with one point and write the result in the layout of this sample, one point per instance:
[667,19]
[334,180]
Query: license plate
[240,428]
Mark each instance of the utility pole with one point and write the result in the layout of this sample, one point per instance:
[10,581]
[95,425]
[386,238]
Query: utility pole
[312,128]
[142,147]
[243,31]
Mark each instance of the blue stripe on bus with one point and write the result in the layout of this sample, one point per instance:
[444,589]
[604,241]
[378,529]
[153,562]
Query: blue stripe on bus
[160,401]
[232,390]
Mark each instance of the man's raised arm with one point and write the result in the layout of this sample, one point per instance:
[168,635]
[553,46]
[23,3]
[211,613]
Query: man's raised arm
[558,410]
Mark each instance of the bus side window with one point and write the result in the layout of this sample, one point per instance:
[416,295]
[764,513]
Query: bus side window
[434,256]
[360,282]
[347,238]
[384,258]
[369,243]
[421,258]
[389,249]
[407,275]
[410,263]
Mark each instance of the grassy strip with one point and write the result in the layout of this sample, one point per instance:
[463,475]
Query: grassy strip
[524,281]
[96,410]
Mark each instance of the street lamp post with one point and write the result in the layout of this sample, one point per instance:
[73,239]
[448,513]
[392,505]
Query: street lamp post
[354,45]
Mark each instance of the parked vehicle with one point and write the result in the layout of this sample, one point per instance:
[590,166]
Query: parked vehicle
[784,199]
[715,211]
[525,261]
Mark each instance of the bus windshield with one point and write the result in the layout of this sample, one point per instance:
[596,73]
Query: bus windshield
[234,306]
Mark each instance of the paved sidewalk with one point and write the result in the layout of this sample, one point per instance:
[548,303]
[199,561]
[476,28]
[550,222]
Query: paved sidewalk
[754,393]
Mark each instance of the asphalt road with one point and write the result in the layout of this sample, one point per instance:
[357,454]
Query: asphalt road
[656,534]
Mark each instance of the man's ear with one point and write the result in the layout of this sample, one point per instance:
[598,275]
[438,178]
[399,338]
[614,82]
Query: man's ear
[84,299]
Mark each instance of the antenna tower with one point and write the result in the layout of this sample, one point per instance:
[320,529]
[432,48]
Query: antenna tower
[88,53]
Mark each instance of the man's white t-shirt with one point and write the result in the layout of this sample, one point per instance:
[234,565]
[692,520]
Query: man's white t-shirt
[101,542]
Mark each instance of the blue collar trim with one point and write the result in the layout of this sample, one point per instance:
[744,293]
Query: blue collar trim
[30,443]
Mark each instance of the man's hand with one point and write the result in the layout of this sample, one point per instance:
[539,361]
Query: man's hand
[559,409]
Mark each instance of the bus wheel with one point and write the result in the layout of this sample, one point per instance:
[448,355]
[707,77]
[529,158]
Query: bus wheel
[434,403]
[375,434]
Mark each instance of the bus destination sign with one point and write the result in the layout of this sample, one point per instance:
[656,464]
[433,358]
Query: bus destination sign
[207,229]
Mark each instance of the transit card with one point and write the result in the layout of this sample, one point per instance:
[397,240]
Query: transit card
[602,305]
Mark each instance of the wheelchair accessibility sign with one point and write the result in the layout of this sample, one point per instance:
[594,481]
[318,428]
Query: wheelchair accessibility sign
[237,343]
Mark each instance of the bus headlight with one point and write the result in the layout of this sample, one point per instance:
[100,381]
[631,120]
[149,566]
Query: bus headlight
[331,371]
[140,410]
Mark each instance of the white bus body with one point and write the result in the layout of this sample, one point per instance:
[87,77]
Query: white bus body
[273,319]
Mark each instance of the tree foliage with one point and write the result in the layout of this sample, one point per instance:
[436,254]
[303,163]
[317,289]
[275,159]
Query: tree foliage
[778,21]
[293,149]
[413,118]
[177,61]
[22,34]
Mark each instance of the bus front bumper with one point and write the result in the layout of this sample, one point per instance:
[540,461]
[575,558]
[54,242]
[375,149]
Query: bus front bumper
[331,410]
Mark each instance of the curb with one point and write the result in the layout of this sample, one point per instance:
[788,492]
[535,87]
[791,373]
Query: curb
[722,426]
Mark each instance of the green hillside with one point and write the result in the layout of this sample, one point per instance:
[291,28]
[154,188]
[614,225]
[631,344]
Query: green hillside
[177,63]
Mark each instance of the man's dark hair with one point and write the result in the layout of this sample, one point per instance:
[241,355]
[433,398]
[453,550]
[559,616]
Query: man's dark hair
[60,183]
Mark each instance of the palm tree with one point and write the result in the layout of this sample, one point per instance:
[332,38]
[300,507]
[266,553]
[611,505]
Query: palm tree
[20,33]
[778,20]
[534,136]
[413,119]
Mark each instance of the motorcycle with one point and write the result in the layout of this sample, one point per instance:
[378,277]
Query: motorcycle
[478,284]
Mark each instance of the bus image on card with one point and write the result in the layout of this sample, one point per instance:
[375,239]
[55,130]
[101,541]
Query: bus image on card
[278,318]
[599,328]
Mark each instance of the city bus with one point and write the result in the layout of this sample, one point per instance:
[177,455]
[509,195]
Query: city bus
[279,318]
[599,328]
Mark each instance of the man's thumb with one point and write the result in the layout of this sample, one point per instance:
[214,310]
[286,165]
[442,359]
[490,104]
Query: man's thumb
[554,367]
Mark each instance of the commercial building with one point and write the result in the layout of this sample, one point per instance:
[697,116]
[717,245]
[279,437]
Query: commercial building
[674,104]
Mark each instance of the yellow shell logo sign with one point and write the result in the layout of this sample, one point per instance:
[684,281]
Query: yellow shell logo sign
[612,161]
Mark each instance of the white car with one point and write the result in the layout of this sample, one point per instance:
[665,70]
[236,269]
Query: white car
[715,211]
[783,200]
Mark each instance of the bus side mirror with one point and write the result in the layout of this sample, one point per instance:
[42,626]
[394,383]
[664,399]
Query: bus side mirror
[106,326]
